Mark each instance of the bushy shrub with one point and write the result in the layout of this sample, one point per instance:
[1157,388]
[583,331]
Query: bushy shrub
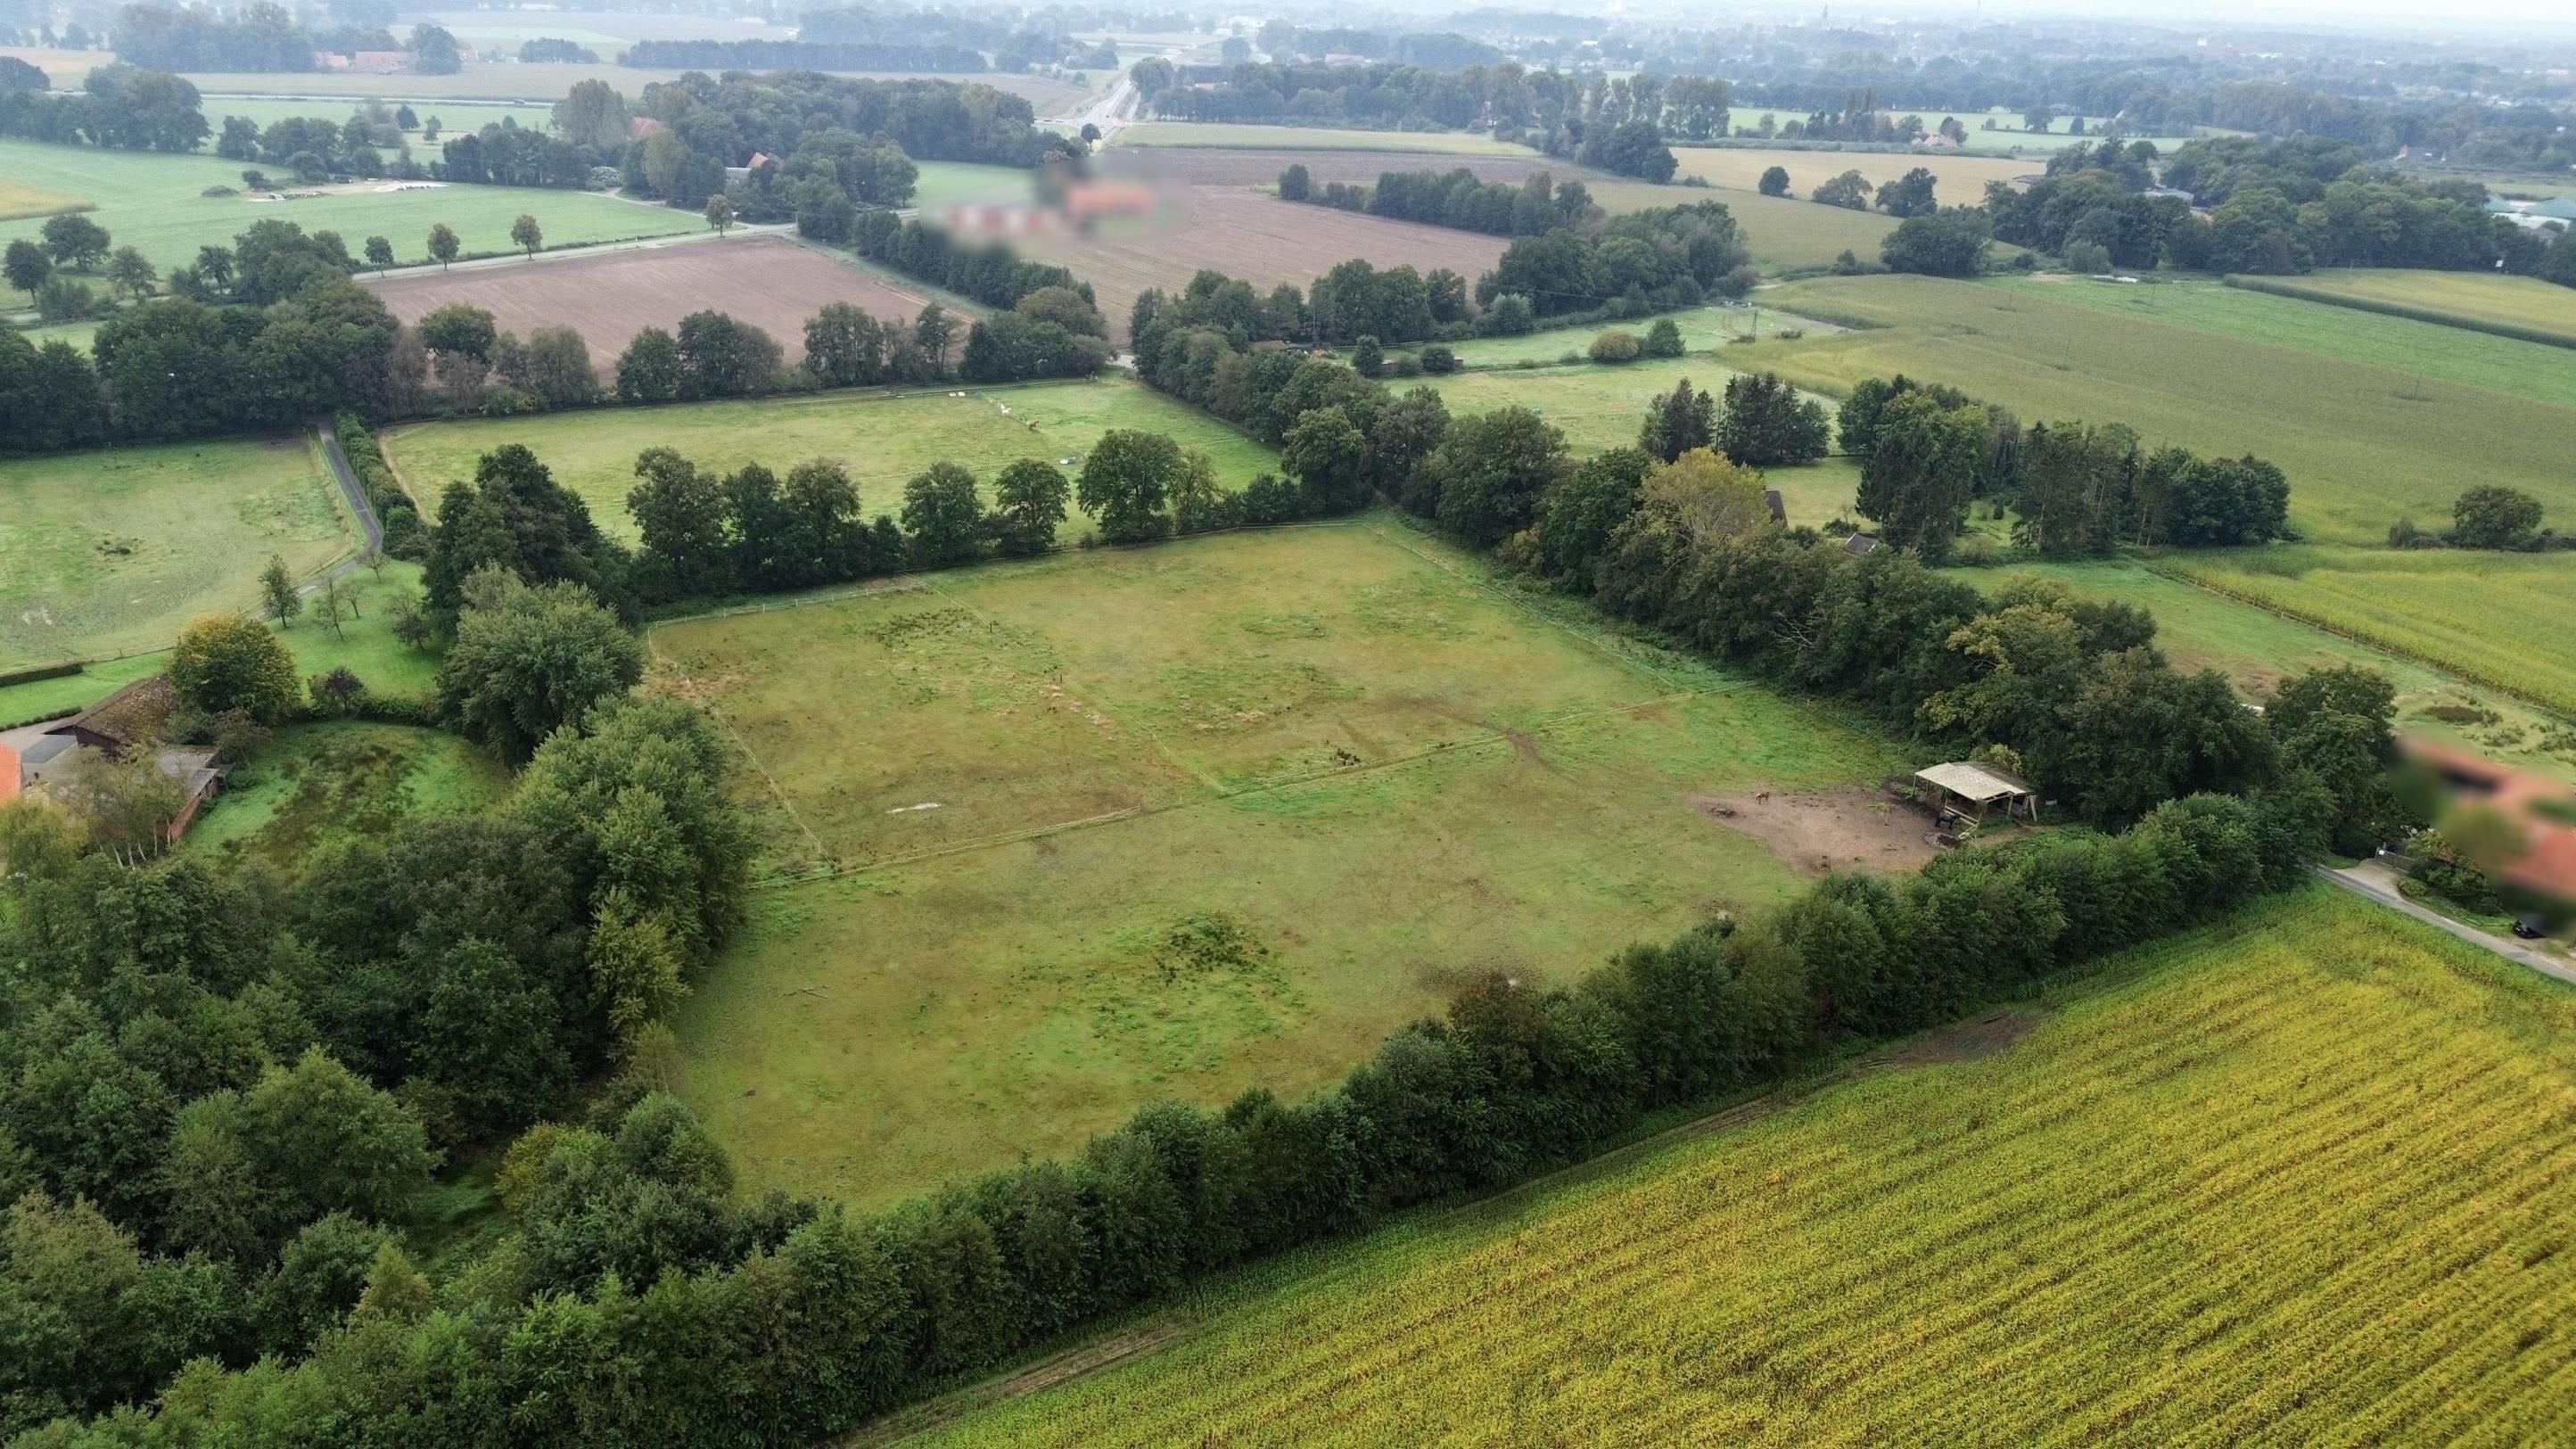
[1616,345]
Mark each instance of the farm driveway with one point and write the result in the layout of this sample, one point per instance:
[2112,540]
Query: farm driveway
[2373,880]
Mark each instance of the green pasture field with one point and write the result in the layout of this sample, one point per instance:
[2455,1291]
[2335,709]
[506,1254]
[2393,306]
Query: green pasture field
[883,438]
[1958,180]
[1131,824]
[313,784]
[2473,297]
[2362,443]
[154,202]
[1313,138]
[549,82]
[943,184]
[111,552]
[455,117]
[2450,354]
[1703,329]
[2289,1179]
[2497,618]
[79,334]
[2255,648]
[1784,234]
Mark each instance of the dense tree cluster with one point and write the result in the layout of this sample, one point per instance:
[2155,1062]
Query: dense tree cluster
[1927,451]
[258,37]
[1533,207]
[1557,111]
[123,106]
[220,1096]
[2277,207]
[1950,242]
[991,274]
[1628,265]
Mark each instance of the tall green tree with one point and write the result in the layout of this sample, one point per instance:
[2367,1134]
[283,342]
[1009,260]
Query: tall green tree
[1922,470]
[943,519]
[1028,504]
[534,661]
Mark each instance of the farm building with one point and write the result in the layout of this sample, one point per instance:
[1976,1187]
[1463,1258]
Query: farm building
[1970,792]
[131,719]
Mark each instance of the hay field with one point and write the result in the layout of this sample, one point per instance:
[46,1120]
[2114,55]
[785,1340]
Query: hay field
[18,199]
[1957,180]
[884,438]
[609,297]
[114,551]
[1785,234]
[2294,1179]
[155,202]
[1345,761]
[1313,138]
[1260,239]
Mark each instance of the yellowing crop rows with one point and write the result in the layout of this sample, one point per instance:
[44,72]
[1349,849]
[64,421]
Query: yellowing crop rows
[2301,1179]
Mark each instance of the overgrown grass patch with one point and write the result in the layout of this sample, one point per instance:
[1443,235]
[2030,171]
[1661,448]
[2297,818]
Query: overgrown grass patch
[313,784]
[1170,822]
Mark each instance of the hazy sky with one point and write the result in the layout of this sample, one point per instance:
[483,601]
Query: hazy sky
[2407,16]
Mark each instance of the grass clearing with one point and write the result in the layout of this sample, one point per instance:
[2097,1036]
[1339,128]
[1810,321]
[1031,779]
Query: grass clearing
[1785,234]
[111,552]
[2448,354]
[314,784]
[18,199]
[883,438]
[2286,1180]
[365,645]
[1312,138]
[155,203]
[1525,802]
[1958,180]
[455,117]
[943,184]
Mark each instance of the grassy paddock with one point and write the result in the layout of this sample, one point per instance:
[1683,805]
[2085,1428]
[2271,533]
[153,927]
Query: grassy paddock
[154,202]
[1170,822]
[455,118]
[111,552]
[1958,180]
[884,439]
[2288,1179]
[1785,234]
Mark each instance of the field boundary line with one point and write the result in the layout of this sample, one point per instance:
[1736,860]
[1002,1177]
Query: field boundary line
[1588,639]
[776,791]
[2551,708]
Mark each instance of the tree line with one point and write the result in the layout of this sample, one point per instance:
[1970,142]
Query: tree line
[121,106]
[800,54]
[1928,453]
[1452,199]
[301,338]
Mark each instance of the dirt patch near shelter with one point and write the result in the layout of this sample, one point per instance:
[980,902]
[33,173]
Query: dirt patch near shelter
[1260,239]
[609,297]
[1823,830]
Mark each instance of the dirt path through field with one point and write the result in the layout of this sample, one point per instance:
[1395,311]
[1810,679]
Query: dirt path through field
[1821,830]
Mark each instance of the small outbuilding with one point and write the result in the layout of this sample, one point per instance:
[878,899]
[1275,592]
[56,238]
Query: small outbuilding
[1972,792]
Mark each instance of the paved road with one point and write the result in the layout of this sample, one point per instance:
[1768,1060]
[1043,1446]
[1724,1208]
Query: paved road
[2362,880]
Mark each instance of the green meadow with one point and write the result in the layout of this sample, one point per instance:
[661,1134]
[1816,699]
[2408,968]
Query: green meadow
[1125,824]
[156,203]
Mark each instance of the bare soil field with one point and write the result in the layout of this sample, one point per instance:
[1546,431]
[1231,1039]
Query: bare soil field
[1261,239]
[610,297]
[1816,831]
